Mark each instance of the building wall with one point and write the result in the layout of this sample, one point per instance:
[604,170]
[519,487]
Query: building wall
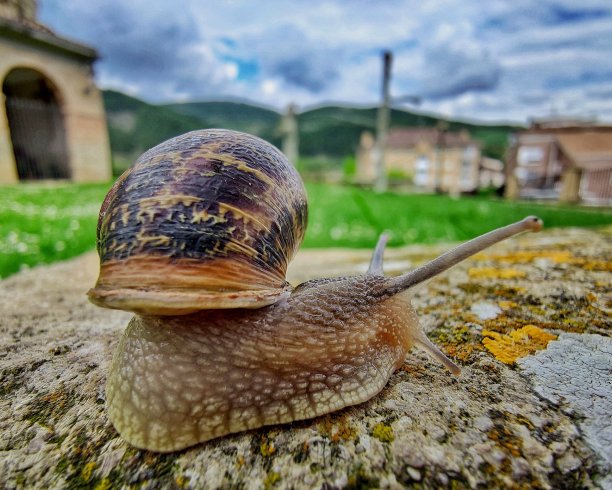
[596,186]
[81,106]
[540,165]
[18,9]
[455,167]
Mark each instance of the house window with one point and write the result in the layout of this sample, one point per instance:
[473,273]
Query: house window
[421,175]
[530,155]
[466,173]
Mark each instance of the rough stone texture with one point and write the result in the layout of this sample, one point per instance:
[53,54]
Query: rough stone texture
[575,372]
[495,425]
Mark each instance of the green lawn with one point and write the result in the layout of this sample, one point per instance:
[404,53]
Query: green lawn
[351,217]
[45,223]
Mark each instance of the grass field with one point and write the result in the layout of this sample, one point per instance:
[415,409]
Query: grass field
[44,223]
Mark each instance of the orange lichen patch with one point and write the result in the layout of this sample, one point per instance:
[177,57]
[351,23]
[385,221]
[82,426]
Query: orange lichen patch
[338,428]
[494,273]
[506,439]
[461,352]
[518,343]
[413,369]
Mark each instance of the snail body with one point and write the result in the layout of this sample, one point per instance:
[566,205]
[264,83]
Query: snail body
[225,371]
[200,361]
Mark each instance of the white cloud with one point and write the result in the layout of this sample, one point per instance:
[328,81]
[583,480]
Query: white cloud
[493,60]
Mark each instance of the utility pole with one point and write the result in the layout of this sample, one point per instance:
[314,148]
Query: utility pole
[290,134]
[442,127]
[382,125]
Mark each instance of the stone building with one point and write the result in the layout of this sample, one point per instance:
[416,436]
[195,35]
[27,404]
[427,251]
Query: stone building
[52,123]
[566,160]
[430,158]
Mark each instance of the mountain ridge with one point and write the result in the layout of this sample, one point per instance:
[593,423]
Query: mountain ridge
[324,131]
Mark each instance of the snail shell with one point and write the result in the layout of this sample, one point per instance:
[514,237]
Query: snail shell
[206,220]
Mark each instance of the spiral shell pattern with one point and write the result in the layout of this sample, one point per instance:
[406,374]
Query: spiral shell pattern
[209,219]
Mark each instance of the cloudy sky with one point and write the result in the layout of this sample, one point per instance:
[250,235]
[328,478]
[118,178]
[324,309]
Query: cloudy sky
[491,60]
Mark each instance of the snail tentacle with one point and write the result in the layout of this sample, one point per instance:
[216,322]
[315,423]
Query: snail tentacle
[432,349]
[460,253]
[376,263]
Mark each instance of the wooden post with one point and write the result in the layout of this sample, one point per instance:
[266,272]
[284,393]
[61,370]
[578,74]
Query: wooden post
[382,125]
[570,185]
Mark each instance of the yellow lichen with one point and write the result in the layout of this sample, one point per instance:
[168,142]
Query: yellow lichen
[182,481]
[494,273]
[271,479]
[88,470]
[105,484]
[383,433]
[592,265]
[506,305]
[267,448]
[518,343]
[525,256]
[555,256]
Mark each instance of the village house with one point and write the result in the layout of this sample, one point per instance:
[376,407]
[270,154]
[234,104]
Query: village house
[52,123]
[566,160]
[429,158]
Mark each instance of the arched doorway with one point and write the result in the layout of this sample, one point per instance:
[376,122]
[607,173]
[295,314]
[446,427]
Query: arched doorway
[36,124]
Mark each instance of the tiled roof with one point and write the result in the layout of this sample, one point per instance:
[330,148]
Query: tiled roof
[590,149]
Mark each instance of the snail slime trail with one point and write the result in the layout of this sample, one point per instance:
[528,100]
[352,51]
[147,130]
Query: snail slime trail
[195,239]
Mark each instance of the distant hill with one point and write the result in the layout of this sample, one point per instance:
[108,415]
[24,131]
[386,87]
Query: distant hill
[332,131]
[233,115]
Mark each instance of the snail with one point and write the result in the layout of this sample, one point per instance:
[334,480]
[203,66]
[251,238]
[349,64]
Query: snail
[195,239]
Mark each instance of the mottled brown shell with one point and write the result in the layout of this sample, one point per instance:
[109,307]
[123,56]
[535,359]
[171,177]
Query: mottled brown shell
[206,220]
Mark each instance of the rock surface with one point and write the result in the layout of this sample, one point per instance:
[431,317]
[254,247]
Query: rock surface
[539,422]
